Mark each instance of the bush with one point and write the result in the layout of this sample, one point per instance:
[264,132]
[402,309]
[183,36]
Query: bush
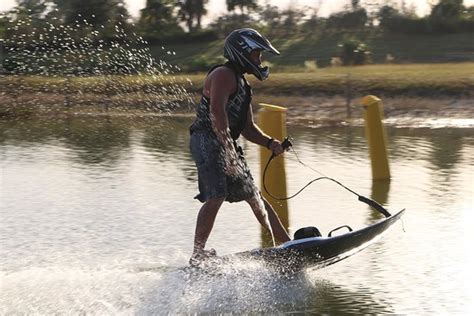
[446,17]
[227,23]
[348,20]
[354,52]
[201,36]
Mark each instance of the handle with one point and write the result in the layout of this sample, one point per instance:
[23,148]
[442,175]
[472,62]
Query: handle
[286,143]
[343,226]
[375,205]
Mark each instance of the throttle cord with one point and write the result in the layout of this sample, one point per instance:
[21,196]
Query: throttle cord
[287,144]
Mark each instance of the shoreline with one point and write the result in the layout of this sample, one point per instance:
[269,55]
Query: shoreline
[303,110]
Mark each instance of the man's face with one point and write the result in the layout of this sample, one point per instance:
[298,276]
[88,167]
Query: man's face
[256,57]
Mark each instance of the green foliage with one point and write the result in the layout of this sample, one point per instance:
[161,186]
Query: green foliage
[249,4]
[191,12]
[3,27]
[34,8]
[399,23]
[96,12]
[271,18]
[448,16]
[227,23]
[277,23]
[447,10]
[348,19]
[354,52]
[158,19]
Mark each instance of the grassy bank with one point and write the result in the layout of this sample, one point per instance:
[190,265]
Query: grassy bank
[427,80]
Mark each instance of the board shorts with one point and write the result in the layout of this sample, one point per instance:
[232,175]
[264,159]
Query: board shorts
[207,153]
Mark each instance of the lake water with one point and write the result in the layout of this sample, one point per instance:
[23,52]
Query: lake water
[98,215]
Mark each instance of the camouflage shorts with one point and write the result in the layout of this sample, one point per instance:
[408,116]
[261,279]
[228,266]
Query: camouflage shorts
[208,155]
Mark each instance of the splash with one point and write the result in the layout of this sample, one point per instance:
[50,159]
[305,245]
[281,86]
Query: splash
[84,65]
[238,287]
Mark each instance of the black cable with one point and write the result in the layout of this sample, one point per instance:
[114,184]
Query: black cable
[304,187]
[361,198]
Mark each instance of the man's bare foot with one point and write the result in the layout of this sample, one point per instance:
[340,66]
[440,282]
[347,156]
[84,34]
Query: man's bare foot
[201,255]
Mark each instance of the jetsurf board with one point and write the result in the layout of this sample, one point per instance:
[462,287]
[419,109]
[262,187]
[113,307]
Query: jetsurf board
[317,252]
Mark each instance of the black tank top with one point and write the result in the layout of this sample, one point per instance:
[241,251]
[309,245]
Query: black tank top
[236,108]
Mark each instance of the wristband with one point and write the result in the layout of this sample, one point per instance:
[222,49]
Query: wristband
[269,142]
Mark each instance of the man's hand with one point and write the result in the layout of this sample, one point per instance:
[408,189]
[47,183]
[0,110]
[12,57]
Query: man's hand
[276,148]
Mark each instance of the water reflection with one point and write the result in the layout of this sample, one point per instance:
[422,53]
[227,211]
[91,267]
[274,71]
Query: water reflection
[96,141]
[332,299]
[348,140]
[446,148]
[166,136]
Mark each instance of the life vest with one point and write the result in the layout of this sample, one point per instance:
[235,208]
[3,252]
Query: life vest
[237,106]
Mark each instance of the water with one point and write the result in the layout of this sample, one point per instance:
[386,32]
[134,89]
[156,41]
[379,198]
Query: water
[97,217]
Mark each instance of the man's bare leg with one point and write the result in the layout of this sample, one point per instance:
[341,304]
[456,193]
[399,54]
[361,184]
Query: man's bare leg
[205,222]
[259,205]
[277,227]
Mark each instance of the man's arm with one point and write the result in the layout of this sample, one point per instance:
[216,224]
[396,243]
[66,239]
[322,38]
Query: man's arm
[254,134]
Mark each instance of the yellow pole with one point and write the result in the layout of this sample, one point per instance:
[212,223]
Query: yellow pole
[376,137]
[272,121]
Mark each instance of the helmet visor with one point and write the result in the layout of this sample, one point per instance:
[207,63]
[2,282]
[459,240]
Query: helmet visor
[257,41]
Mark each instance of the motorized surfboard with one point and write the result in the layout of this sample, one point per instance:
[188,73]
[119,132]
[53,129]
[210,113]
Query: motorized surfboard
[318,252]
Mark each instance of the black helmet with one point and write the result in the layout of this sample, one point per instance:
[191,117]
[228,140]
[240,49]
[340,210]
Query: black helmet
[238,46]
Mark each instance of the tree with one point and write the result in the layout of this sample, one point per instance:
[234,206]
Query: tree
[447,10]
[97,13]
[355,4]
[348,19]
[121,15]
[386,15]
[34,8]
[271,17]
[24,20]
[229,22]
[249,4]
[292,17]
[158,18]
[200,11]
[313,21]
[191,12]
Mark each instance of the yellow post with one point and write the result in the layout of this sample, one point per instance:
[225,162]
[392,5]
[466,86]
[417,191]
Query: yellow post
[272,121]
[376,137]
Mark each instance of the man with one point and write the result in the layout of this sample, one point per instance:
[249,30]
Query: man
[224,113]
